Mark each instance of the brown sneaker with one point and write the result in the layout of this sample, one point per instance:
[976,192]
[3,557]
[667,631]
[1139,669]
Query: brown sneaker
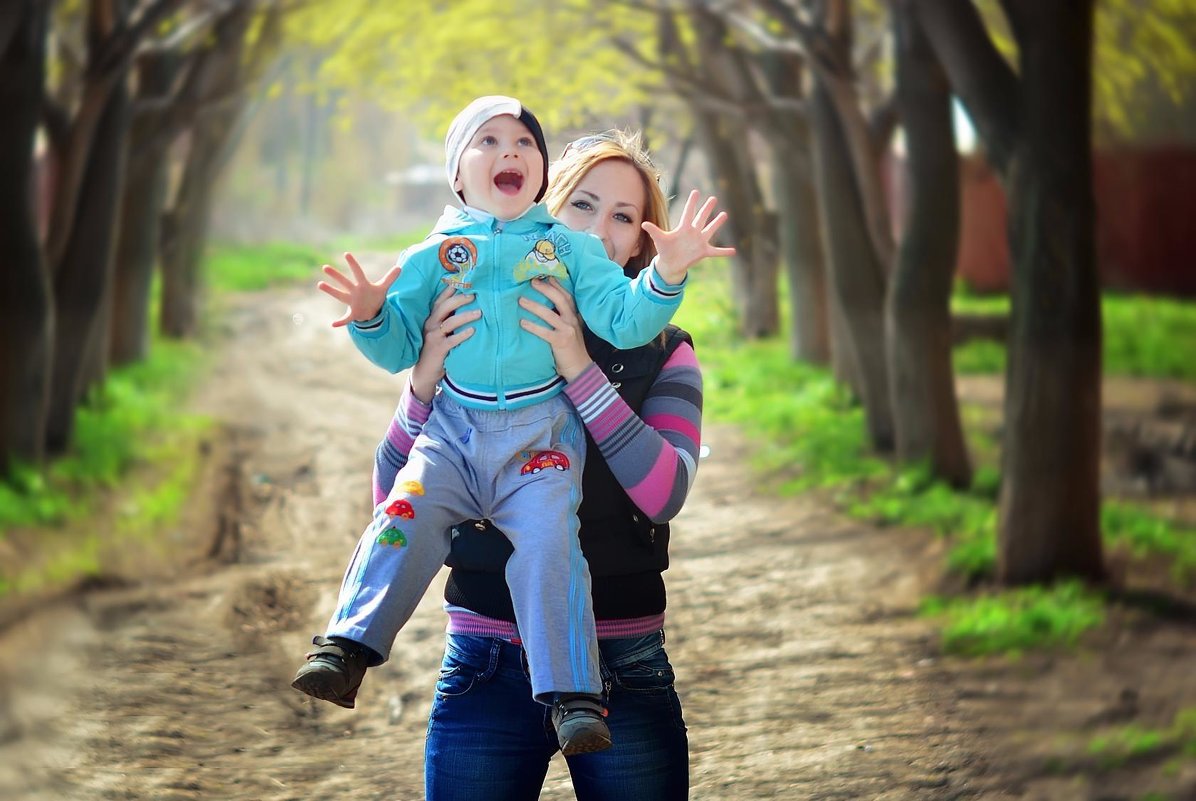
[333,671]
[580,724]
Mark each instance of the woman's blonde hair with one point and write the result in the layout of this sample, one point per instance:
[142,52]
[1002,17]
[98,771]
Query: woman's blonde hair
[583,154]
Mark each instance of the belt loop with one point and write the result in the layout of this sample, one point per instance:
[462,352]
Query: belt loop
[495,654]
[662,638]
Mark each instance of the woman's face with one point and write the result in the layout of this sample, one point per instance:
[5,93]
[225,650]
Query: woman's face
[609,203]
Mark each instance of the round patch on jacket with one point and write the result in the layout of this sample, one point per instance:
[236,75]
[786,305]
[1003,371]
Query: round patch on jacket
[458,255]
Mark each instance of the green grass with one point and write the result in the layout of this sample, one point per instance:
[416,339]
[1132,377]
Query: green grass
[131,441]
[1118,746]
[239,268]
[247,268]
[1143,336]
[1143,533]
[1016,620]
[120,424]
[911,498]
[815,438]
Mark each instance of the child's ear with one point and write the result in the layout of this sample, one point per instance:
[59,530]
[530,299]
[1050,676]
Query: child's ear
[458,184]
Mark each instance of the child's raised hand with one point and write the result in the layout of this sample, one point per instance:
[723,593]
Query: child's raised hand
[363,297]
[689,242]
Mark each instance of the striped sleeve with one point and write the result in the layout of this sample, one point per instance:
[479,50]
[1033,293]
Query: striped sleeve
[410,416]
[653,457]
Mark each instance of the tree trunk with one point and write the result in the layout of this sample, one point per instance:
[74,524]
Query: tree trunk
[184,232]
[185,224]
[843,362]
[918,316]
[111,43]
[26,314]
[141,209]
[753,228]
[801,248]
[83,280]
[726,140]
[856,278]
[1050,495]
[799,237]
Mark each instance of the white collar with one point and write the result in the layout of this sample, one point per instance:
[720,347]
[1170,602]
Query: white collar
[486,217]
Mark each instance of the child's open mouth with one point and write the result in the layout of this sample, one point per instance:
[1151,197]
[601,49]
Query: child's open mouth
[508,182]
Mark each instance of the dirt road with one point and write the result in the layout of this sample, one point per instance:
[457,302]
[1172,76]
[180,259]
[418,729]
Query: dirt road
[803,671]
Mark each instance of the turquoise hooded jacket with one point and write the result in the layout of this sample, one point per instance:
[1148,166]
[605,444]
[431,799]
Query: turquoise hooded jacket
[502,366]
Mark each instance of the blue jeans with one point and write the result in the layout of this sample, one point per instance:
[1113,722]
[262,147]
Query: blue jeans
[488,739]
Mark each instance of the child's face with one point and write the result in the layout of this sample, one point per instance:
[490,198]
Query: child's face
[501,169]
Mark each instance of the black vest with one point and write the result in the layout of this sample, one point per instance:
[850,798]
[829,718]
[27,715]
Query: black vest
[616,537]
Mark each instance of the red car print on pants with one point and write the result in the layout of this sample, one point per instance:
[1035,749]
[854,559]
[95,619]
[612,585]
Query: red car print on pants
[401,508]
[544,460]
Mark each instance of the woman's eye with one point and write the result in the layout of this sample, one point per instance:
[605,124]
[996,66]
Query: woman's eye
[621,217]
[582,205]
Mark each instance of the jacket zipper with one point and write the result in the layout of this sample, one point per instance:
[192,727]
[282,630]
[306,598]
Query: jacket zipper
[498,274]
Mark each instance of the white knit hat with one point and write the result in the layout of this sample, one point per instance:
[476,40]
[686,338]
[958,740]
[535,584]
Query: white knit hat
[473,117]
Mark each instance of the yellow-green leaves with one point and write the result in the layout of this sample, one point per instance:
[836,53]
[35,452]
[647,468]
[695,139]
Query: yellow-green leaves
[431,58]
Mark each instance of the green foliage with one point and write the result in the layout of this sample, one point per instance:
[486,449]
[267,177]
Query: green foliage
[979,357]
[913,498]
[1016,620]
[1143,53]
[1145,336]
[120,424]
[248,268]
[245,268]
[1118,746]
[1146,533]
[433,58]
[1149,336]
[151,502]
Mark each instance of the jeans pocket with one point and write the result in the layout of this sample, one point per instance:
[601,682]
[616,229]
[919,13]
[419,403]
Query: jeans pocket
[467,661]
[651,674]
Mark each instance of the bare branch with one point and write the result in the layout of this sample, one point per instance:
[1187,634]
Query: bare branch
[117,50]
[979,75]
[833,71]
[763,38]
[192,28]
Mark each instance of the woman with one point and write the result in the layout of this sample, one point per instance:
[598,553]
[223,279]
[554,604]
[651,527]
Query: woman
[487,738]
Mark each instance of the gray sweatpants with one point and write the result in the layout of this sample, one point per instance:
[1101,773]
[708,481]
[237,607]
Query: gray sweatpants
[519,469]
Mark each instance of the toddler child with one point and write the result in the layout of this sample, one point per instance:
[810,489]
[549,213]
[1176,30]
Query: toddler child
[502,443]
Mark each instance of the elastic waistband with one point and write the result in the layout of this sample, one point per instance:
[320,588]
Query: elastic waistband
[464,621]
[514,398]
